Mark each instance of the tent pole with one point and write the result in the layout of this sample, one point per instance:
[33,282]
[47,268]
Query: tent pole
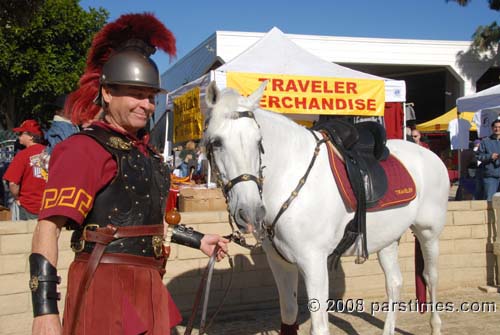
[404,121]
[167,145]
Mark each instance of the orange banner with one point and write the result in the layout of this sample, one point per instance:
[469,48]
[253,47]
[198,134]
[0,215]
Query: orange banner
[313,95]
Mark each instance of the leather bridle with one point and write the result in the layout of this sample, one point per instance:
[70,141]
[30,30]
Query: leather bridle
[269,230]
[236,236]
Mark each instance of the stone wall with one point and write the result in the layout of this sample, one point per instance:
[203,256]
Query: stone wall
[466,260]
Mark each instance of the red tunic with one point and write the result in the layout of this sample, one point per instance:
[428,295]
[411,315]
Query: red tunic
[121,299]
[26,171]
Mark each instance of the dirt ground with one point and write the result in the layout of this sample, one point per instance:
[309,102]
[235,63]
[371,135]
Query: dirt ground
[267,321]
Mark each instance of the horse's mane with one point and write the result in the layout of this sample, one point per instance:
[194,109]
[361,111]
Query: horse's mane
[279,124]
[278,119]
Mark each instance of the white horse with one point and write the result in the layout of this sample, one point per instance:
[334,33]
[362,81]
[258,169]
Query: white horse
[312,226]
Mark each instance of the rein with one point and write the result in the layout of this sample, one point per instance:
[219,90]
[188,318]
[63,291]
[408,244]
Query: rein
[204,289]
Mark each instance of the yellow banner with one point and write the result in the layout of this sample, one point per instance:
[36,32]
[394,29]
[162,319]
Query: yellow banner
[313,95]
[188,119]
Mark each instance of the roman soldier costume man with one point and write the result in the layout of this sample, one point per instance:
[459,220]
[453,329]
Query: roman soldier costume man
[109,186]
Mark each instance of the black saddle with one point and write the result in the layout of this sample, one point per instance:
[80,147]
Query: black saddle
[361,146]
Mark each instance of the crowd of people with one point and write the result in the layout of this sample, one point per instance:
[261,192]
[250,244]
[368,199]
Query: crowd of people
[189,161]
[27,173]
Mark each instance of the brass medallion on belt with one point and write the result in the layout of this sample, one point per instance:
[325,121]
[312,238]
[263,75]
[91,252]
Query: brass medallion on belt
[157,243]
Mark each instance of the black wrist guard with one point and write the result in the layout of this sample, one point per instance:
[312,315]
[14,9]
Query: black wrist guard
[43,286]
[187,236]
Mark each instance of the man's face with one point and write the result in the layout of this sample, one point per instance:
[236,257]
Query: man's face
[129,107]
[415,135]
[496,128]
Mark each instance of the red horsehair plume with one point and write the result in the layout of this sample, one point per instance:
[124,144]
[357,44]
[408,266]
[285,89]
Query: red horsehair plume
[146,27]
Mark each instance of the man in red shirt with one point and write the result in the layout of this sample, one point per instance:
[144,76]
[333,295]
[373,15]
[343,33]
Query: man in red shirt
[110,186]
[26,175]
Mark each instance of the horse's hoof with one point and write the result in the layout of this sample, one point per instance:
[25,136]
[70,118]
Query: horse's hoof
[289,329]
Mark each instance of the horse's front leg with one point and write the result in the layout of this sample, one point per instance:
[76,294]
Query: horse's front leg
[286,276]
[314,269]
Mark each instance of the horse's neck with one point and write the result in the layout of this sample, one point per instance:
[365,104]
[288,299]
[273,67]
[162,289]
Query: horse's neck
[284,141]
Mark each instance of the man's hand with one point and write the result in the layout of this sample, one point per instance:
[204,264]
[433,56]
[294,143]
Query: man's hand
[494,156]
[48,324]
[208,243]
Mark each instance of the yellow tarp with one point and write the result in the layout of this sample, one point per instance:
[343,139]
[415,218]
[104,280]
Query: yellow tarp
[441,122]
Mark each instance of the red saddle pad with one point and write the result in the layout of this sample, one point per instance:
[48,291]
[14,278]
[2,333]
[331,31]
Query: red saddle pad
[400,188]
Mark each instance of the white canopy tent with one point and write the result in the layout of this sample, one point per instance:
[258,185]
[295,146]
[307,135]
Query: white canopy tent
[275,53]
[486,99]
[486,102]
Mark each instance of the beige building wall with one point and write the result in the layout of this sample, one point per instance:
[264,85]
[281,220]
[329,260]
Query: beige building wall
[466,260]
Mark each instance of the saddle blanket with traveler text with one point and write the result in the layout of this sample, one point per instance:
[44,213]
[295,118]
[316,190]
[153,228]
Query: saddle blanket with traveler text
[400,188]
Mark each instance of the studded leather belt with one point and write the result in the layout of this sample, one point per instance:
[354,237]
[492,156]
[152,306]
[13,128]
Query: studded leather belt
[147,243]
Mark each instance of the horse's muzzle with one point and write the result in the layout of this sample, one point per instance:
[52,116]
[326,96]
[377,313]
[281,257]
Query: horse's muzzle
[247,219]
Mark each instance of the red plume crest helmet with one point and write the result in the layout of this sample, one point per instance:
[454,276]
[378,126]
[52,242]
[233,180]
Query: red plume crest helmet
[120,54]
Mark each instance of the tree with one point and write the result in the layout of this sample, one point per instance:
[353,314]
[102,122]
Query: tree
[42,57]
[18,11]
[486,38]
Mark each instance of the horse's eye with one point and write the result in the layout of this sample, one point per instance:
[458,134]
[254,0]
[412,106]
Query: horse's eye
[216,143]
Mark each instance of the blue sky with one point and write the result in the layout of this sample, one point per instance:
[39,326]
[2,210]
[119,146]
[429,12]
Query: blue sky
[193,21]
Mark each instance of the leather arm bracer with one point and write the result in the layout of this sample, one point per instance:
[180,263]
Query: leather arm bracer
[187,236]
[43,285]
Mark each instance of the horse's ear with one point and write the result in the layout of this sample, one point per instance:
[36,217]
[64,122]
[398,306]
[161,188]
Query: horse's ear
[255,97]
[212,94]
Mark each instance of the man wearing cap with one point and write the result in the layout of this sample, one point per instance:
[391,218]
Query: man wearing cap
[25,174]
[110,186]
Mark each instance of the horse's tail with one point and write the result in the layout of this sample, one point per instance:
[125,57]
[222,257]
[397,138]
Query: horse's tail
[420,285]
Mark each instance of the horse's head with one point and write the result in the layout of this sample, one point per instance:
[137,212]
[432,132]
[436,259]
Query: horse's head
[234,144]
